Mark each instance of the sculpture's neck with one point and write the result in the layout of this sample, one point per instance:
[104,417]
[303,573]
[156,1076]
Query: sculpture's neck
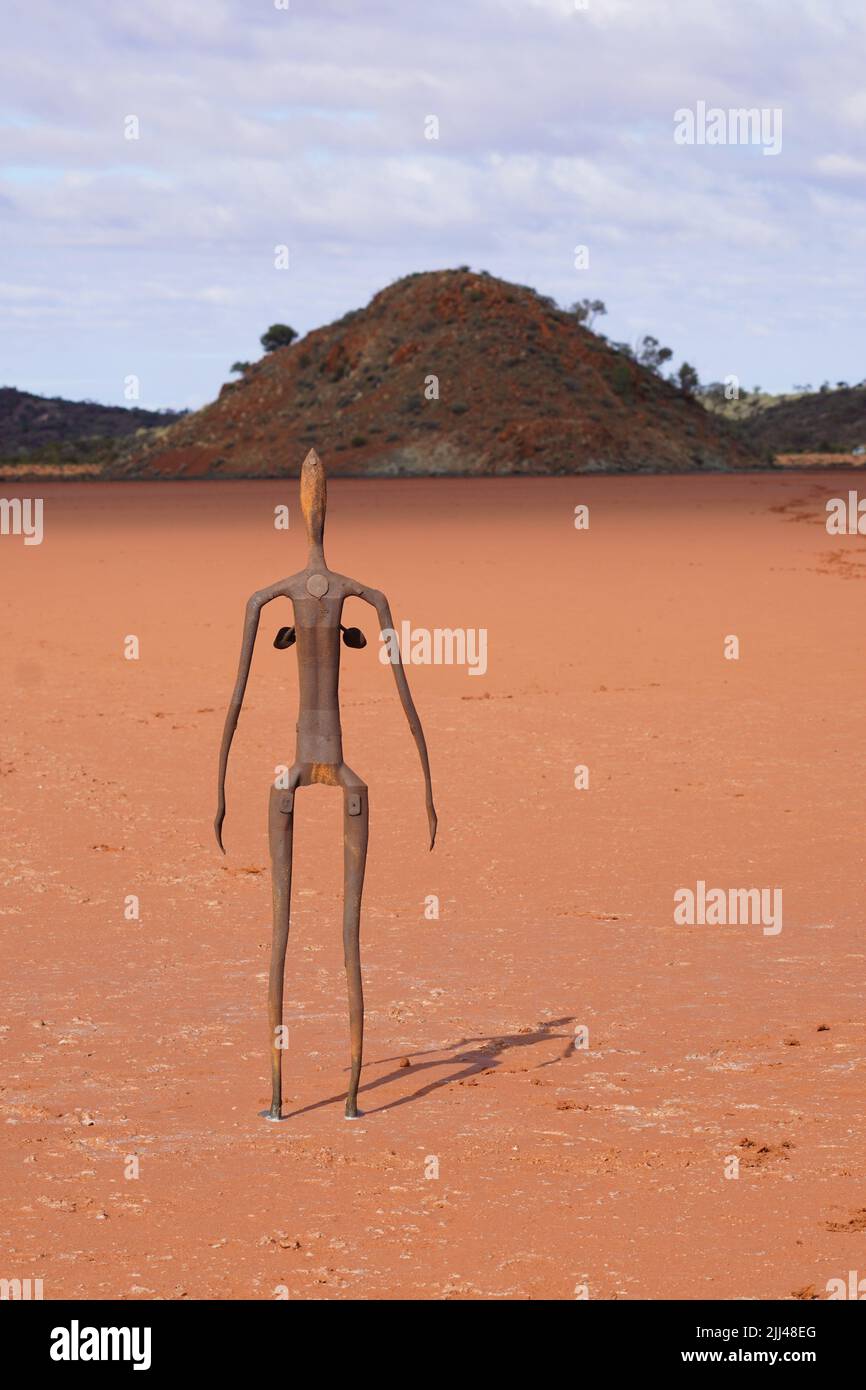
[316,558]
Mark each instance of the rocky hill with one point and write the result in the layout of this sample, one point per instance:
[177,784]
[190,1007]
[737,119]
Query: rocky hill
[446,372]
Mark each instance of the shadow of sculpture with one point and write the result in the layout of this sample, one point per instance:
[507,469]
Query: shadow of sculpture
[472,1056]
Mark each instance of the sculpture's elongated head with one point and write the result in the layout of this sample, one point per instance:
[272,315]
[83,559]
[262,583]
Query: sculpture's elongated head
[314,498]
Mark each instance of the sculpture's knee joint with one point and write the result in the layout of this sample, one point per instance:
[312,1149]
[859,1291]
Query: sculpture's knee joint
[354,803]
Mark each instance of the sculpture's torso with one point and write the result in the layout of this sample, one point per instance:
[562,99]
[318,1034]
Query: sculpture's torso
[317,629]
[317,625]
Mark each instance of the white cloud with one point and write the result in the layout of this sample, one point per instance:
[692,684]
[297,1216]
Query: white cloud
[261,126]
[843,166]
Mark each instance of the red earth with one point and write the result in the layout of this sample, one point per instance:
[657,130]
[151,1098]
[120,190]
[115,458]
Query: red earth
[494,1160]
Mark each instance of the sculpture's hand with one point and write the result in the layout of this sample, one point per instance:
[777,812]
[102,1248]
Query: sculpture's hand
[218,823]
[432,821]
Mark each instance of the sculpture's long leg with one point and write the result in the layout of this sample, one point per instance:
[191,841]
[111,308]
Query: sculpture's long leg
[355,821]
[281,818]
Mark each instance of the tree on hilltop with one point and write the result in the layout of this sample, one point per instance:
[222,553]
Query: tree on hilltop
[586,311]
[277,336]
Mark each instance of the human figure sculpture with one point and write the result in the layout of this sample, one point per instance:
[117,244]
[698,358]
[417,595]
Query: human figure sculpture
[317,596]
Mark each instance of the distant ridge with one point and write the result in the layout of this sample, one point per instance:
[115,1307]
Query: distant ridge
[818,422]
[55,428]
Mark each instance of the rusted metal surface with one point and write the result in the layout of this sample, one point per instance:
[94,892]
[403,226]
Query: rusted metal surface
[317,595]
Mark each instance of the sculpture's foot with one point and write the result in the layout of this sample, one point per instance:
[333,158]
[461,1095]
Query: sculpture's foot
[273,1115]
[352,1111]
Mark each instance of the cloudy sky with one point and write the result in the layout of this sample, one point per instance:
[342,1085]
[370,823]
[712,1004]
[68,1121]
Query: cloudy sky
[306,126]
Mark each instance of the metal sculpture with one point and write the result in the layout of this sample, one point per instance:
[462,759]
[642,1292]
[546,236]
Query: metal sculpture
[317,596]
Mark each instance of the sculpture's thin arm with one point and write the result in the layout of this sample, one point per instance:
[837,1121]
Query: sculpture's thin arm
[386,625]
[255,604]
